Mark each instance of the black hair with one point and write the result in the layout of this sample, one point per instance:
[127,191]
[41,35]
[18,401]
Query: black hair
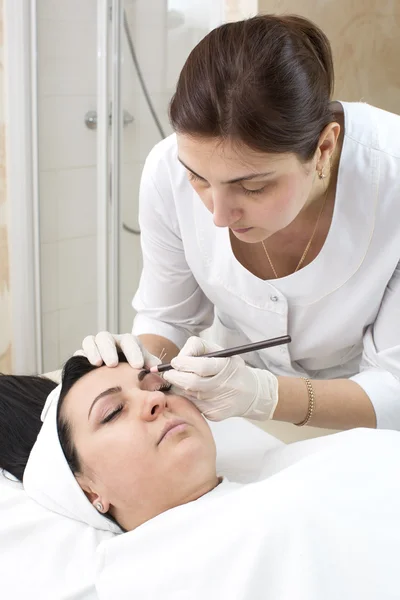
[22,398]
[74,369]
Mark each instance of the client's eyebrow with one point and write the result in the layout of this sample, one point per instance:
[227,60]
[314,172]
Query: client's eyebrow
[142,374]
[109,392]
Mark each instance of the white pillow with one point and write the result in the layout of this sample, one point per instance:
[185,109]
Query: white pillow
[47,556]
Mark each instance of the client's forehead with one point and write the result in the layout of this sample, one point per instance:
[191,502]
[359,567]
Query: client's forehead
[123,373]
[83,392]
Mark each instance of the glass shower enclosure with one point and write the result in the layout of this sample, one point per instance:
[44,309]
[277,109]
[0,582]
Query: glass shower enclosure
[105,71]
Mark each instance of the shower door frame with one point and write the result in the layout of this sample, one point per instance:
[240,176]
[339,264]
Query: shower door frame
[22,153]
[109,140]
[22,184]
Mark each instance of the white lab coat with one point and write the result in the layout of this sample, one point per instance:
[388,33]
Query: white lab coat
[342,310]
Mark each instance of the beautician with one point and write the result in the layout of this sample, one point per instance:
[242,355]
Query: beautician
[276,211]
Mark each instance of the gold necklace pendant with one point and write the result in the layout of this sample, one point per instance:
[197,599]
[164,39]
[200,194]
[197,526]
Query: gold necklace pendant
[303,256]
[269,260]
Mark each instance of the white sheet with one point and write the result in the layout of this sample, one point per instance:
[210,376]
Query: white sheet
[42,555]
[47,556]
[326,527]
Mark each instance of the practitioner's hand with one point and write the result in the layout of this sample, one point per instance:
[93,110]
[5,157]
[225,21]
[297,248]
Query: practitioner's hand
[223,387]
[104,348]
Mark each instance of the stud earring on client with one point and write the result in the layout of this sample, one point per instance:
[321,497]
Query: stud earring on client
[99,506]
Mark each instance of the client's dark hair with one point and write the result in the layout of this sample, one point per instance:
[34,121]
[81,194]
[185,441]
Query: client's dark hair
[74,369]
[22,398]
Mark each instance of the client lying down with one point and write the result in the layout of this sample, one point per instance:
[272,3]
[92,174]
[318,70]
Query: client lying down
[121,452]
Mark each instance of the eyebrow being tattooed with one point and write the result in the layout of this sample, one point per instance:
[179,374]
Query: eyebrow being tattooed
[142,374]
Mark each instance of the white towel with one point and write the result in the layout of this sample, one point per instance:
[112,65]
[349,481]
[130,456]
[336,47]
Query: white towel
[241,451]
[49,480]
[326,527]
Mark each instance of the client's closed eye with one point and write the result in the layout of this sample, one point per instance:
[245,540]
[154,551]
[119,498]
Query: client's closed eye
[111,415]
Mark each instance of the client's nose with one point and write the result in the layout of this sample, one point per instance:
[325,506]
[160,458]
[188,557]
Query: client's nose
[154,403]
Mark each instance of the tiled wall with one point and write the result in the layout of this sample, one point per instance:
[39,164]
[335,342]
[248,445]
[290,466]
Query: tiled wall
[5,304]
[67,149]
[67,173]
[366,45]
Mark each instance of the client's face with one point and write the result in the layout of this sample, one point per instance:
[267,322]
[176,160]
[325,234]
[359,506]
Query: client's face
[142,450]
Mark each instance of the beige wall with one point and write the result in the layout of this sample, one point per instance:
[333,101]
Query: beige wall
[235,10]
[366,50]
[366,45]
[5,331]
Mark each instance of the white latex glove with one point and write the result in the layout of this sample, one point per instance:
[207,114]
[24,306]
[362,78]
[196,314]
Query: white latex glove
[223,387]
[104,347]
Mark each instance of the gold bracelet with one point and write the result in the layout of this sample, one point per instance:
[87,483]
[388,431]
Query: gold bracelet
[311,403]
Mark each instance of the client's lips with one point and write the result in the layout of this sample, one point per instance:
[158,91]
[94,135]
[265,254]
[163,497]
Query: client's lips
[168,426]
[243,229]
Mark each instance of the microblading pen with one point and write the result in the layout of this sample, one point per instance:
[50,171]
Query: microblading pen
[278,341]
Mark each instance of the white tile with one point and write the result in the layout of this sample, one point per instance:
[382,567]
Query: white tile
[149,11]
[150,34]
[179,45]
[161,104]
[49,276]
[130,10]
[67,204]
[77,210]
[67,76]
[150,48]
[67,60]
[130,85]
[140,137]
[50,335]
[64,140]
[130,270]
[74,325]
[74,10]
[48,206]
[77,272]
[151,51]
[62,39]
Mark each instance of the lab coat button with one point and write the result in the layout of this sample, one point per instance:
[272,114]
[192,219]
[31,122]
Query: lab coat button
[274,298]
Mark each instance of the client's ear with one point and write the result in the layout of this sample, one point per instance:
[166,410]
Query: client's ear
[94,498]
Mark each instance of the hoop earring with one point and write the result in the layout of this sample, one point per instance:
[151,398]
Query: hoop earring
[99,506]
